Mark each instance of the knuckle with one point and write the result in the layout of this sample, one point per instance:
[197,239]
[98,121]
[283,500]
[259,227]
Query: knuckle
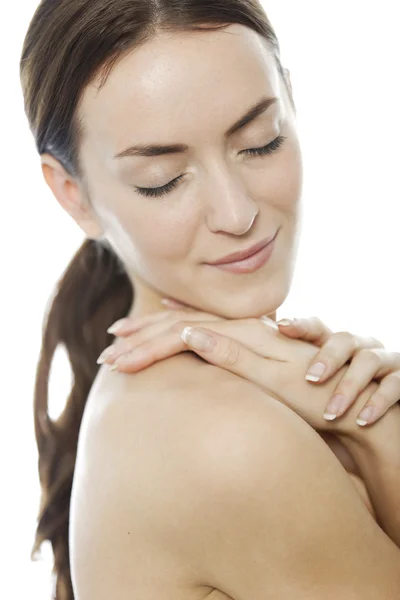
[379,400]
[369,357]
[395,363]
[317,325]
[302,325]
[332,351]
[230,352]
[316,321]
[393,378]
[349,339]
[376,343]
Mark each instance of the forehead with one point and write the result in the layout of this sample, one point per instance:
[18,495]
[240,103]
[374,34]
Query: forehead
[177,86]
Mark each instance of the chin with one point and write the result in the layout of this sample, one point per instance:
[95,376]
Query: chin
[249,305]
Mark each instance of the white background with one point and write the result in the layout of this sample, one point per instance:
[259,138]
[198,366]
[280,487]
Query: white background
[343,57]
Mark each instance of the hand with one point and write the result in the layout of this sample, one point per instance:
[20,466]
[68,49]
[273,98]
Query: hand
[336,350]
[252,351]
[369,362]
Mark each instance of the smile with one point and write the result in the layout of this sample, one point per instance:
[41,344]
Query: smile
[251,263]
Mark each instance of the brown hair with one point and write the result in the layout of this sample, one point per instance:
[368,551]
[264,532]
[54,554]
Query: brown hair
[69,43]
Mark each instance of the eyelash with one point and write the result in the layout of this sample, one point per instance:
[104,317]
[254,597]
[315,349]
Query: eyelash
[165,189]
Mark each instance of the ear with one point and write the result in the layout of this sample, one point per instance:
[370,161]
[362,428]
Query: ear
[70,196]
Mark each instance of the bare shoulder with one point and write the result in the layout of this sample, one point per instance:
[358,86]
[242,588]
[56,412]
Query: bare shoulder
[136,475]
[169,412]
[222,479]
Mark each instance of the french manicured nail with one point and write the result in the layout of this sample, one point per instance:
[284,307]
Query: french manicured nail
[365,415]
[270,322]
[335,406]
[315,372]
[107,353]
[171,303]
[115,327]
[285,322]
[197,339]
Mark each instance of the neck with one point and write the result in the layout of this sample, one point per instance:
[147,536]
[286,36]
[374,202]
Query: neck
[148,301]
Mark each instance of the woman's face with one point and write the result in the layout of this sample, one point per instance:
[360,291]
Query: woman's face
[190,89]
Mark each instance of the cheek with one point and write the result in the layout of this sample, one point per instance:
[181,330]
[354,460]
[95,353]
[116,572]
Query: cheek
[286,183]
[158,232]
[278,181]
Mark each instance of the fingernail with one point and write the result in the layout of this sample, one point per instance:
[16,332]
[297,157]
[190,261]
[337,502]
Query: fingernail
[171,303]
[270,322]
[197,339]
[285,322]
[335,405]
[107,353]
[315,372]
[115,327]
[365,415]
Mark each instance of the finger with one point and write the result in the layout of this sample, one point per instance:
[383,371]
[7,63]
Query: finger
[150,352]
[310,330]
[152,343]
[248,332]
[229,354]
[127,326]
[386,396]
[336,352]
[149,330]
[367,365]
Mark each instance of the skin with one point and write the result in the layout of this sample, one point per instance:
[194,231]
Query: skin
[225,202]
[189,89]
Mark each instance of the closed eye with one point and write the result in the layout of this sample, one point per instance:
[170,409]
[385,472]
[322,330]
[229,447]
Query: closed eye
[165,189]
[268,149]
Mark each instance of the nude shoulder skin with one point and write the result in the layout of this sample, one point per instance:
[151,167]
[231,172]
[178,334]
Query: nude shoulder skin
[145,438]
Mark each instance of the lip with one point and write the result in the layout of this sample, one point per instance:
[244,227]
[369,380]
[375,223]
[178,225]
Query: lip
[251,263]
[239,256]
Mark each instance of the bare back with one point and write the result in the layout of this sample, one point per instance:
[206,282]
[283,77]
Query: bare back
[160,428]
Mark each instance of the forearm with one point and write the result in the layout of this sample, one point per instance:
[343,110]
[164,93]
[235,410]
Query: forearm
[374,448]
[376,451]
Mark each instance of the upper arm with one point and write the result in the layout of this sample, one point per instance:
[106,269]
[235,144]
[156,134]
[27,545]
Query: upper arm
[279,517]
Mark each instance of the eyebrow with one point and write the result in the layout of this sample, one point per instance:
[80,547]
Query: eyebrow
[157,150]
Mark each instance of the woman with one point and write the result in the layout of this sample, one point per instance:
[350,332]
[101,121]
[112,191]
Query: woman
[189,480]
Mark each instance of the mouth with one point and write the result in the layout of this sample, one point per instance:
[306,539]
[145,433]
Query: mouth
[242,254]
[251,261]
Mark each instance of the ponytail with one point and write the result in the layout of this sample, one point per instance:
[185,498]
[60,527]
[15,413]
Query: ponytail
[94,292]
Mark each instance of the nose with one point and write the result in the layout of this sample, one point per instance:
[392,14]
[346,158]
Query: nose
[230,208]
